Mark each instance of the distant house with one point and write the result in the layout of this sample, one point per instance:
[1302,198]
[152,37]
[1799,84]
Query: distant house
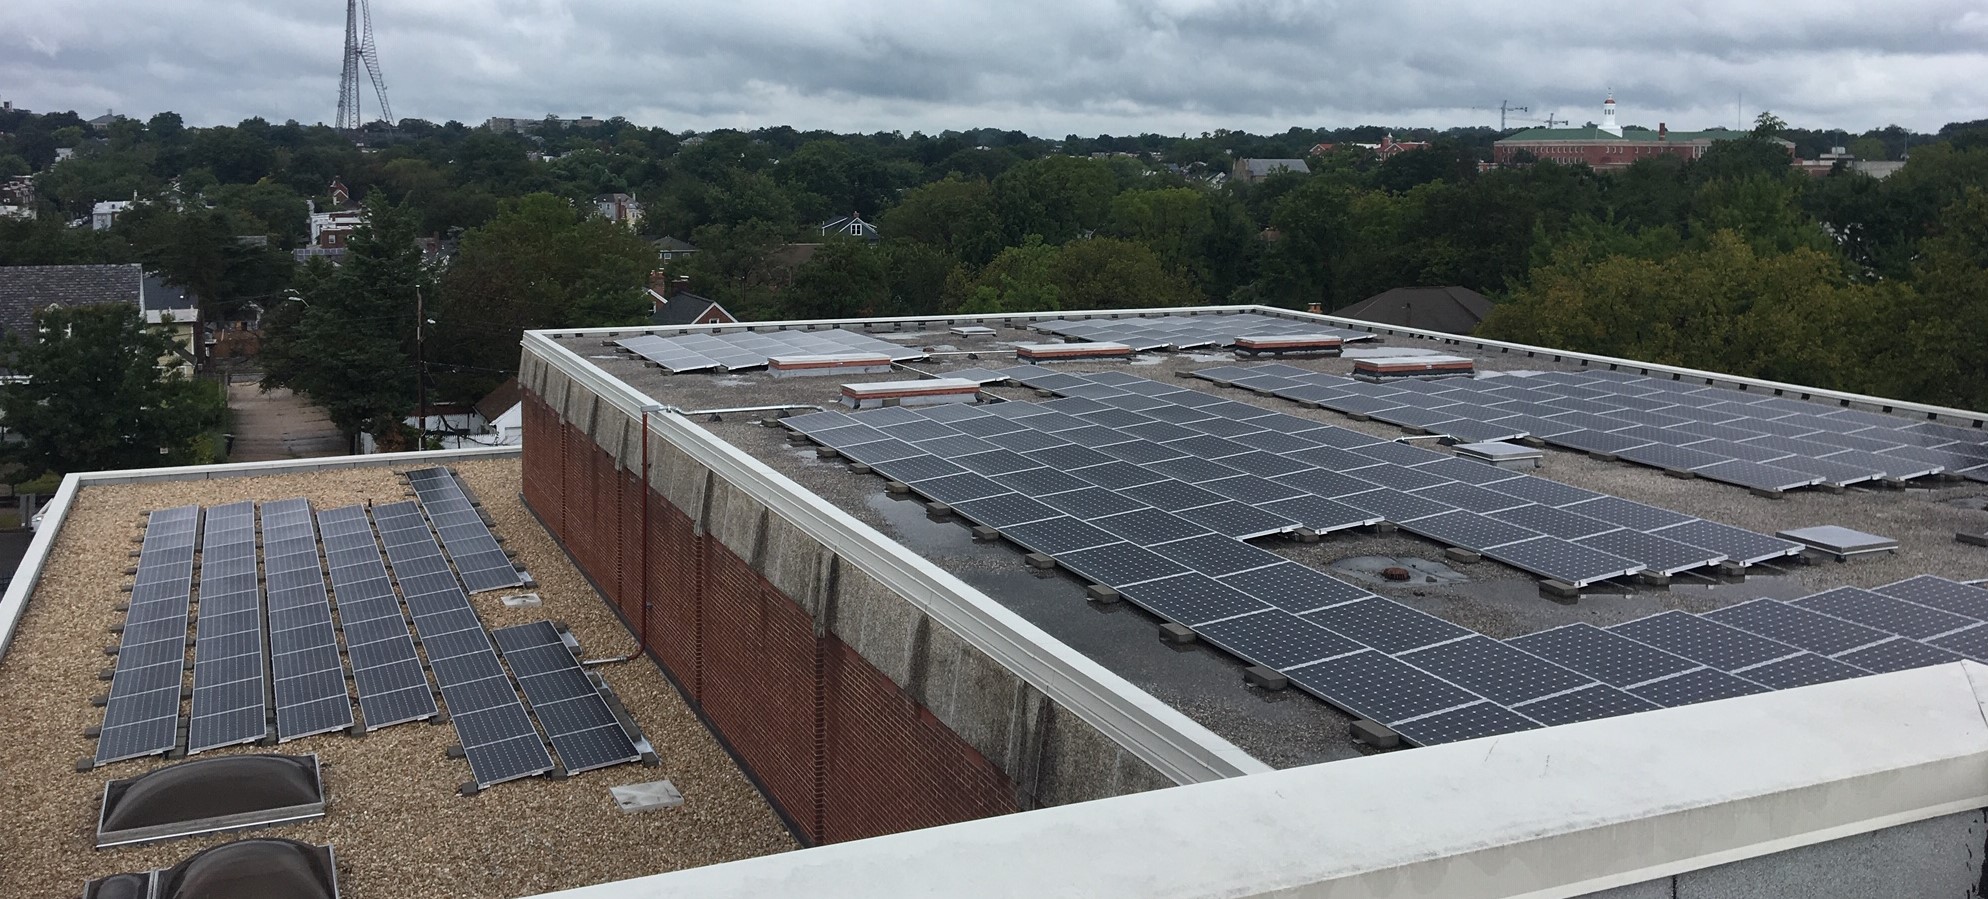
[851,225]
[1452,310]
[17,197]
[332,228]
[103,122]
[105,213]
[1389,147]
[1250,171]
[621,209]
[672,303]
[1609,146]
[28,289]
[669,248]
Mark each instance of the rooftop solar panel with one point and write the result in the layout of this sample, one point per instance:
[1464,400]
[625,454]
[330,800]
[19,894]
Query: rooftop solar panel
[1215,555]
[1496,670]
[1609,657]
[1813,631]
[1149,526]
[1658,554]
[1940,593]
[1468,530]
[1800,671]
[1484,719]
[1885,613]
[1192,599]
[1378,687]
[1692,687]
[1276,639]
[1585,704]
[1554,522]
[1562,560]
[1898,655]
[1386,625]
[1120,564]
[1394,505]
[1743,546]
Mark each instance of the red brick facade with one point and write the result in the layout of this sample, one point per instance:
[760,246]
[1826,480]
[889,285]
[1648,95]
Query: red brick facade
[839,748]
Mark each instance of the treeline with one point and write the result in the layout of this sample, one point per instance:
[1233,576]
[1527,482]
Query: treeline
[1734,261]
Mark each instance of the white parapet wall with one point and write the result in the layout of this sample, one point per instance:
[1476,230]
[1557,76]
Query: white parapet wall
[1558,812]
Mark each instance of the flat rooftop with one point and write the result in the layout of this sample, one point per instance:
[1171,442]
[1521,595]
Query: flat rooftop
[1290,728]
[395,819]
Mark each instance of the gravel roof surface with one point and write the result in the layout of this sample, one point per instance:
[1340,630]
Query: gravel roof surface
[1286,728]
[395,820]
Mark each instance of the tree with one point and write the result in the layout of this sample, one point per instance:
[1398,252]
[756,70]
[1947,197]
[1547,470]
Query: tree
[955,216]
[347,342]
[1058,198]
[541,263]
[95,397]
[846,278]
[1108,273]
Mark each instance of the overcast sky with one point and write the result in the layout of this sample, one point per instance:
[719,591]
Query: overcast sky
[1048,67]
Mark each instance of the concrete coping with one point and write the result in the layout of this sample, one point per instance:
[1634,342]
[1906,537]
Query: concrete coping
[1557,812]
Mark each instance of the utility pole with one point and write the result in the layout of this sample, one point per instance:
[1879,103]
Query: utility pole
[420,371]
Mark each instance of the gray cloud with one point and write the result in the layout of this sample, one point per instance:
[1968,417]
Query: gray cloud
[1045,66]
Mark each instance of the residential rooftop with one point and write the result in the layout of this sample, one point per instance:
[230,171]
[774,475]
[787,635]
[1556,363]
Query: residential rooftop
[396,820]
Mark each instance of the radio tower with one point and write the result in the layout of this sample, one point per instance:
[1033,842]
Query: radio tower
[359,51]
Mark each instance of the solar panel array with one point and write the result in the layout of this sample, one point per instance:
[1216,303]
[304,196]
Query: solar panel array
[750,349]
[1245,471]
[497,736]
[311,697]
[385,669]
[1746,439]
[230,687]
[577,719]
[1185,332]
[479,558]
[1122,513]
[142,715]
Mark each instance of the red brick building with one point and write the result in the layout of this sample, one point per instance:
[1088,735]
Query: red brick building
[1608,146]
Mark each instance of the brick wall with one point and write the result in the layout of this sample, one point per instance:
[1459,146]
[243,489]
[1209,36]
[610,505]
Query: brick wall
[838,746]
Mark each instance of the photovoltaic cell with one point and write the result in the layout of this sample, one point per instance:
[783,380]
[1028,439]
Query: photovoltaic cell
[478,556]
[1610,658]
[1495,670]
[1586,704]
[1740,545]
[392,686]
[1192,599]
[1562,560]
[1800,671]
[311,696]
[1294,587]
[1884,613]
[1484,719]
[582,727]
[1378,687]
[1386,625]
[1215,555]
[1691,687]
[1940,593]
[229,683]
[1703,640]
[1119,564]
[1813,631]
[1659,554]
[1898,655]
[1276,639]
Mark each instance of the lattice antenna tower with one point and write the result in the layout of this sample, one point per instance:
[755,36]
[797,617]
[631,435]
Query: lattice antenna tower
[360,52]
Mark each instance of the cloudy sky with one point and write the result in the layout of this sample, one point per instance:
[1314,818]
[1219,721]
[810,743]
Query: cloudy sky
[1049,67]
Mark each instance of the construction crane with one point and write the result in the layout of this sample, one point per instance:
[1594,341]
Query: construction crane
[1505,110]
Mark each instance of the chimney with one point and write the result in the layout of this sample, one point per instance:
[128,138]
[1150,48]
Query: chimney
[679,284]
[1663,131]
[1315,309]
[659,281]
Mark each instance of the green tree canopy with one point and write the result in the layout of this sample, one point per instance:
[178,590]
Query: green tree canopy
[96,396]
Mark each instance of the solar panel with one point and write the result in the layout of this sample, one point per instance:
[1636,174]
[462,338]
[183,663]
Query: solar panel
[1544,492]
[1004,510]
[1562,560]
[229,684]
[1813,631]
[1055,536]
[497,736]
[1758,475]
[1885,613]
[582,727]
[1378,687]
[1703,640]
[1940,593]
[957,488]
[1972,643]
[1149,526]
[1173,496]
[476,552]
[1484,719]
[1495,670]
[1386,625]
[1608,657]
[311,696]
[1632,515]
[141,716]
[1399,477]
[1294,587]
[1192,599]
[1585,704]
[385,669]
[1116,475]
[1658,554]
[1320,514]
[1394,505]
[1215,555]
[1276,639]
[1553,522]
[1898,655]
[1742,546]
[1119,564]
[1691,687]
[1091,503]
[1592,441]
[1238,520]
[1468,530]
[1800,671]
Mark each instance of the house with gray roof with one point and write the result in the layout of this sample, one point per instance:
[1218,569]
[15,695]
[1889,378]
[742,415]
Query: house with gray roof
[1250,171]
[28,289]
